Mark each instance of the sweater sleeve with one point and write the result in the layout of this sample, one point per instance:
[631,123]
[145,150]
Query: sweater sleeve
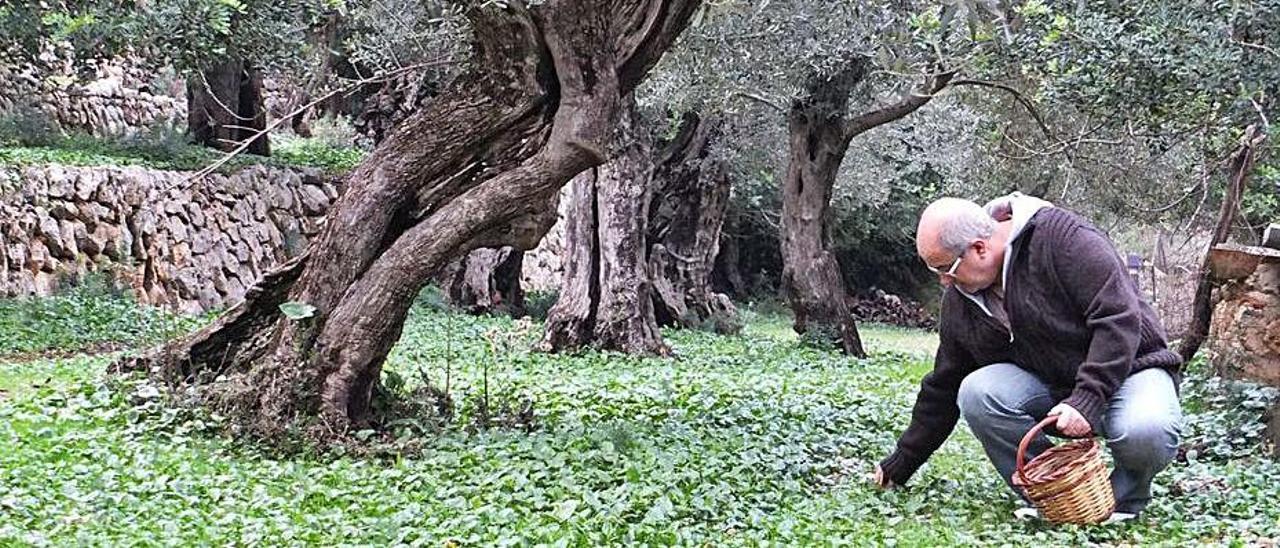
[1094,278]
[935,413]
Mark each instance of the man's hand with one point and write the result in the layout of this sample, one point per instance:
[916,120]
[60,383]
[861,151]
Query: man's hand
[1070,421]
[882,481]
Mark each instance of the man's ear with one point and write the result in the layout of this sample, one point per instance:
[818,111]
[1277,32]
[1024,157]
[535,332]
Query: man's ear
[980,247]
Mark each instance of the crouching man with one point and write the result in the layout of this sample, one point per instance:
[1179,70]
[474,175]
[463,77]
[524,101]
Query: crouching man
[1040,318]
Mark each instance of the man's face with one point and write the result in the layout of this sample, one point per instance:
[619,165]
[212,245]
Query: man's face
[972,271]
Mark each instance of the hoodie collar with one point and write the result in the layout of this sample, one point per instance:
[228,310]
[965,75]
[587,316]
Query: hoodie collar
[1020,208]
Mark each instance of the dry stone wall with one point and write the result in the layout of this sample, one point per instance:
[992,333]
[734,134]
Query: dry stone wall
[117,100]
[189,245]
[1245,329]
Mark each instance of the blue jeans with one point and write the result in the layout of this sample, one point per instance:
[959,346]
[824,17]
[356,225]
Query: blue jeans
[1002,401]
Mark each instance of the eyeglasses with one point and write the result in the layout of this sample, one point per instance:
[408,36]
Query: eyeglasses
[950,272]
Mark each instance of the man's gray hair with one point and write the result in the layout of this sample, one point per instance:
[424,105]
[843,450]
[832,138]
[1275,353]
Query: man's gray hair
[968,223]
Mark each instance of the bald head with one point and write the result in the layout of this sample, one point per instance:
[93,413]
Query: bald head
[949,225]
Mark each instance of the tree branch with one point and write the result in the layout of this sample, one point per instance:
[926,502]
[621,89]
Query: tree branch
[903,107]
[1240,168]
[1017,95]
[1258,47]
[1164,208]
[759,99]
[659,28]
[1266,124]
[1062,145]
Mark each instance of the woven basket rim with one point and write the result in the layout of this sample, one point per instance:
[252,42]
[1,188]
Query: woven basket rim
[1083,451]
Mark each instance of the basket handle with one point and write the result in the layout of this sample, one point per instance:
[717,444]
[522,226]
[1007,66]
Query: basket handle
[1026,440]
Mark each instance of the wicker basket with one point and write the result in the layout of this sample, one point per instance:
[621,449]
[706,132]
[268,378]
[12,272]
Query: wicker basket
[1067,483]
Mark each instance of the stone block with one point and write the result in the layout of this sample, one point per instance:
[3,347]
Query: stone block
[1245,330]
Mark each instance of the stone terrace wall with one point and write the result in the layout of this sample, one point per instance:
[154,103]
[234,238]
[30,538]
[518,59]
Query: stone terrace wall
[192,246]
[116,101]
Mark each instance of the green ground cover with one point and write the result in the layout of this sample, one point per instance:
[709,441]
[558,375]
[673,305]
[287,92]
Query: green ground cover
[742,440]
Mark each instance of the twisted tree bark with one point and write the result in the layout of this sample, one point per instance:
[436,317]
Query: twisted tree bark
[476,168]
[691,196]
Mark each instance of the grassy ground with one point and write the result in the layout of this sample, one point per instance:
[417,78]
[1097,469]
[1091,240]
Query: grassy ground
[745,440]
[171,152]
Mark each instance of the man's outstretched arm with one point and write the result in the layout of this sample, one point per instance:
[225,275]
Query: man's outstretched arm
[933,417]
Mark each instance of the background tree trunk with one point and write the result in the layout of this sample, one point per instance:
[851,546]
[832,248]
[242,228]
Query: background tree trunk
[385,106]
[692,193]
[811,277]
[726,275]
[571,320]
[479,167]
[819,137]
[326,40]
[225,106]
[606,299]
[487,280]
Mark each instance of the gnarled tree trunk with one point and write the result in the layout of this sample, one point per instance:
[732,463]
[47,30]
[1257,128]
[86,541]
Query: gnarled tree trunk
[383,106]
[820,133]
[225,107]
[606,298]
[486,280]
[479,167]
[691,194]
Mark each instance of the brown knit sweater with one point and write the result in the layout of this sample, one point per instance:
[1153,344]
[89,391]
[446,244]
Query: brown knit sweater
[1078,323]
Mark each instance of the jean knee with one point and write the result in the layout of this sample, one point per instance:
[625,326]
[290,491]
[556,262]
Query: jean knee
[1148,443]
[980,392]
